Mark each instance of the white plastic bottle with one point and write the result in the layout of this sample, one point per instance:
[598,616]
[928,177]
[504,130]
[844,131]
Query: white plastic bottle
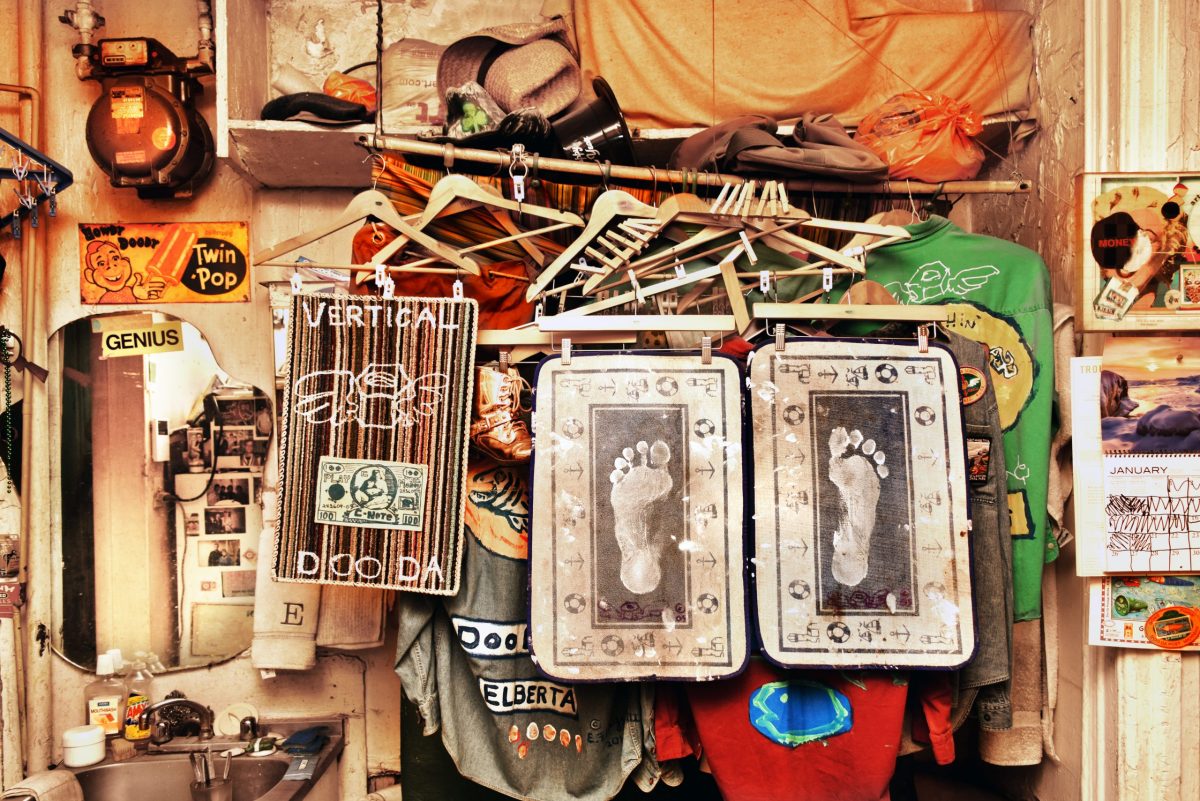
[105,698]
[136,700]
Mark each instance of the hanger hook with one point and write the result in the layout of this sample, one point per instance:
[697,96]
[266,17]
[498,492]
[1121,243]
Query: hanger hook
[377,161]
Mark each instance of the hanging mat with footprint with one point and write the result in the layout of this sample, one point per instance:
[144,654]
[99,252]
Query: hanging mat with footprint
[636,542]
[860,490]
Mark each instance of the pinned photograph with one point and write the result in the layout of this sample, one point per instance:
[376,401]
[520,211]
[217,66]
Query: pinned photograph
[225,520]
[220,553]
[263,420]
[238,447]
[1149,401]
[229,490]
[237,583]
[10,556]
[198,454]
[236,412]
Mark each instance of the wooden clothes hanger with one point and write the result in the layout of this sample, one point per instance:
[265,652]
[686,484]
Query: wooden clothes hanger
[370,203]
[611,205]
[455,193]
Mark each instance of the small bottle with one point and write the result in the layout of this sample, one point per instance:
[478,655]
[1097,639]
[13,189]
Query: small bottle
[136,701]
[105,698]
[120,666]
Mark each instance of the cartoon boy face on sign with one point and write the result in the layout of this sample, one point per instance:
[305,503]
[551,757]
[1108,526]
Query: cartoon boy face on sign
[114,273]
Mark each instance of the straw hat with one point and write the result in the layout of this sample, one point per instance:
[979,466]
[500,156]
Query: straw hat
[520,65]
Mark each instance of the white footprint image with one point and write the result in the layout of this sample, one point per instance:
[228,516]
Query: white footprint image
[638,482]
[855,467]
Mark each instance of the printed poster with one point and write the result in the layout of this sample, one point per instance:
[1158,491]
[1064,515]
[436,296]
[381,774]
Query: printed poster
[1121,605]
[636,545]
[860,526]
[181,262]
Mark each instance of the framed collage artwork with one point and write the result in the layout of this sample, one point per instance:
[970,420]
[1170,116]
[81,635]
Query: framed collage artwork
[1140,248]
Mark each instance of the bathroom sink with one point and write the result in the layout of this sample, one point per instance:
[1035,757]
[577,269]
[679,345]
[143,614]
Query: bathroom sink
[167,778]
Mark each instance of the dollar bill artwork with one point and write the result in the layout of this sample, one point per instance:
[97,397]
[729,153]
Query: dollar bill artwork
[371,494]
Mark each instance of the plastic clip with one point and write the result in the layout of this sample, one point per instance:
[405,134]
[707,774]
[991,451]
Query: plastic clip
[505,357]
[780,341]
[566,351]
[389,288]
[637,288]
[923,338]
[518,170]
[827,278]
[297,283]
[537,311]
[764,281]
[680,271]
[706,349]
[457,289]
[380,275]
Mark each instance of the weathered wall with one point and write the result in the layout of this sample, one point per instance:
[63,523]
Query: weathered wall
[362,686]
[1142,84]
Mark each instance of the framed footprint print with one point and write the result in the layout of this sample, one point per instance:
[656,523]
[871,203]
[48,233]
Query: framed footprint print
[636,541]
[860,534]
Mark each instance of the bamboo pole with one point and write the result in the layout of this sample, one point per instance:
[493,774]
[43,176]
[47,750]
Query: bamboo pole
[620,172]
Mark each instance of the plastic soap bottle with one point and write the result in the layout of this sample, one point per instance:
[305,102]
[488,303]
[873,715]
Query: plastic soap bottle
[105,698]
[137,699]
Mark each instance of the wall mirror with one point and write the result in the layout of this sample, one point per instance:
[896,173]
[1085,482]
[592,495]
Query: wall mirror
[160,477]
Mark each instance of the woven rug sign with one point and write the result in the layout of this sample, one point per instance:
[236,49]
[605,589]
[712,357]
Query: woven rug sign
[636,543]
[861,550]
[376,411]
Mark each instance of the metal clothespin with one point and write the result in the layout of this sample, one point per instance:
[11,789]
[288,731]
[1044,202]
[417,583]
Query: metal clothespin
[706,349]
[518,169]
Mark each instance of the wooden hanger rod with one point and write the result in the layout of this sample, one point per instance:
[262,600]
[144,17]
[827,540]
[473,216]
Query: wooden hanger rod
[620,172]
[573,323]
[851,311]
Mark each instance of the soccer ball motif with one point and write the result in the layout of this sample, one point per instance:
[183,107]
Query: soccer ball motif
[838,632]
[708,603]
[886,373]
[666,386]
[925,415]
[612,645]
[574,603]
[704,427]
[799,590]
[793,415]
[573,427]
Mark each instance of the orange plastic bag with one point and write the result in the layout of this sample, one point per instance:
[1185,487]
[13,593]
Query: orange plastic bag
[924,137]
[347,87]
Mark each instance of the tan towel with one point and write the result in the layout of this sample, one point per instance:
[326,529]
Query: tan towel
[285,617]
[1022,744]
[351,617]
[49,785]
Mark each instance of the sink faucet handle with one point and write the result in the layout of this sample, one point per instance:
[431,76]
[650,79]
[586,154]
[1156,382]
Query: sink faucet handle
[248,728]
[161,732]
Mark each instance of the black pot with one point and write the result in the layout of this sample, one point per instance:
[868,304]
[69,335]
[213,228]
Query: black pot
[597,131]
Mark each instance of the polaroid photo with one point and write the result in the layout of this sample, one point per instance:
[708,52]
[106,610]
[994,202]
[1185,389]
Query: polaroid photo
[237,583]
[219,553]
[1189,287]
[229,490]
[225,520]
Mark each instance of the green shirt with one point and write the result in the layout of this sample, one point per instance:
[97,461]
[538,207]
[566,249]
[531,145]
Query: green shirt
[1000,294]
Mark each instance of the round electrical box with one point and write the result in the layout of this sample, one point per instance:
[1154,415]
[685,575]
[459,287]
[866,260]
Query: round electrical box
[143,135]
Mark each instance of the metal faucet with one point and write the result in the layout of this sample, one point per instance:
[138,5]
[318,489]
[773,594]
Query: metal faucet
[203,714]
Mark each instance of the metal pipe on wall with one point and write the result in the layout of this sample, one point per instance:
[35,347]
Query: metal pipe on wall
[36,458]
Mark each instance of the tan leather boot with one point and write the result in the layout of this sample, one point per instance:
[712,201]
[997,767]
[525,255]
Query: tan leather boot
[496,425]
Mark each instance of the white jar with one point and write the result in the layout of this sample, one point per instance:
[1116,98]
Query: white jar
[83,746]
